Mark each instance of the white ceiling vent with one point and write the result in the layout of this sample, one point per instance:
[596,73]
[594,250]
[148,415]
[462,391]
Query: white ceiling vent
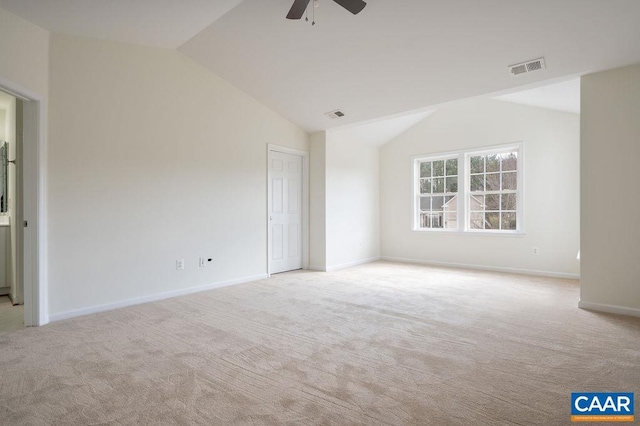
[335,114]
[524,67]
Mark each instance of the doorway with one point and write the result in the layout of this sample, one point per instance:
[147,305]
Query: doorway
[11,288]
[287,200]
[27,218]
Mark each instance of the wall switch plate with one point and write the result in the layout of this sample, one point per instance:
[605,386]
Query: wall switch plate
[202,262]
[180,264]
[535,250]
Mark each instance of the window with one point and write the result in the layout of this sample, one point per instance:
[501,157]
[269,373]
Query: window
[493,191]
[438,190]
[470,191]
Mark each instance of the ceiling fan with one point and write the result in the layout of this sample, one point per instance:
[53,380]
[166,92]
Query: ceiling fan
[299,6]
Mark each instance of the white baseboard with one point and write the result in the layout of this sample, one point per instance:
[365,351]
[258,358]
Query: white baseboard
[485,268]
[317,268]
[611,309]
[354,263]
[151,298]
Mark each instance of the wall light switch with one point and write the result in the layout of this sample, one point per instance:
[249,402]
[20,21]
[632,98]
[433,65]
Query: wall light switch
[180,264]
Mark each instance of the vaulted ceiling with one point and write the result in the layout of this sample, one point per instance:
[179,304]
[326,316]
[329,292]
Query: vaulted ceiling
[394,57]
[159,23]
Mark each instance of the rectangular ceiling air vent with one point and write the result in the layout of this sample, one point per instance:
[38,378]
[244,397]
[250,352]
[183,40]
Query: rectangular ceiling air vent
[524,67]
[335,114]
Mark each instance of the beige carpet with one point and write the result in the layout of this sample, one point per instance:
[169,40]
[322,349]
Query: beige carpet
[378,344]
[11,317]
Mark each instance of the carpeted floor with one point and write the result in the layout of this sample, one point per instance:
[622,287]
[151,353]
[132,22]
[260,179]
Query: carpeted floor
[11,317]
[378,344]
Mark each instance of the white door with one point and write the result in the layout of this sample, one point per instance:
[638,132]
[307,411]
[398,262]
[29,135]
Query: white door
[285,212]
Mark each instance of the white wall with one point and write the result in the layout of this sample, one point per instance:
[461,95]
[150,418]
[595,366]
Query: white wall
[3,114]
[551,153]
[610,198]
[317,202]
[352,201]
[344,205]
[152,159]
[24,53]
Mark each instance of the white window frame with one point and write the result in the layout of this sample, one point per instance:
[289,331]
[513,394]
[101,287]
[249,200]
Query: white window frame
[464,188]
[416,190]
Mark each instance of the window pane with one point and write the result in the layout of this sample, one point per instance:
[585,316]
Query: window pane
[452,167]
[476,221]
[438,185]
[450,213]
[438,168]
[425,203]
[509,221]
[425,186]
[450,219]
[425,169]
[434,212]
[492,221]
[493,163]
[437,203]
[424,220]
[451,184]
[492,202]
[508,201]
[477,203]
[510,180]
[509,161]
[476,164]
[477,183]
[493,182]
[430,220]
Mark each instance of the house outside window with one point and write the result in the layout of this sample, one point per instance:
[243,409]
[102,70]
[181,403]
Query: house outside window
[470,191]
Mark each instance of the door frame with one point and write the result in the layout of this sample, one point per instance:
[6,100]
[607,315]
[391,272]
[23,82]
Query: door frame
[305,202]
[32,237]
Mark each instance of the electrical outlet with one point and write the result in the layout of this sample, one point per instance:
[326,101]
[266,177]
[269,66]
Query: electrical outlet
[202,262]
[180,264]
[535,250]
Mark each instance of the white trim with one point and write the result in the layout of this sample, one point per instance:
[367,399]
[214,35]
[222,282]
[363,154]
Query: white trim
[610,309]
[317,268]
[153,298]
[18,90]
[480,232]
[34,202]
[551,274]
[305,202]
[350,264]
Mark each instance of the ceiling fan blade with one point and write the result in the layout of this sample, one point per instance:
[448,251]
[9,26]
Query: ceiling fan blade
[353,6]
[298,8]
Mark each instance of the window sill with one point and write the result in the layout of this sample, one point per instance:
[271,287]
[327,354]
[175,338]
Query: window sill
[474,233]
